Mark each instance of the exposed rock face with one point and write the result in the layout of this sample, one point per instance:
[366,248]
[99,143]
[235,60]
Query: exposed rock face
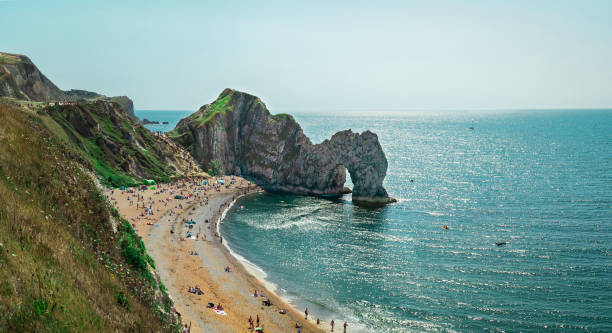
[21,79]
[236,134]
[126,103]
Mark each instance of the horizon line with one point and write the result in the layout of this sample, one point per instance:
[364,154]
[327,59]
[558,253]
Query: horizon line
[411,110]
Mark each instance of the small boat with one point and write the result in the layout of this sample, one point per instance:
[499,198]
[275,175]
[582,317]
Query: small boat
[500,243]
[471,128]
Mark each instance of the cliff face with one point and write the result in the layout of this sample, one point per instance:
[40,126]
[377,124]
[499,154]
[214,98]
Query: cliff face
[236,134]
[126,103]
[21,79]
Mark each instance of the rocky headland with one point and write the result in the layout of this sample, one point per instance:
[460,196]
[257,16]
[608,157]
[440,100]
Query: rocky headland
[236,134]
[22,80]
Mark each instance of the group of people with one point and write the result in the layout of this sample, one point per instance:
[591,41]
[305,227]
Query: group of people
[195,290]
[255,325]
[332,323]
[219,307]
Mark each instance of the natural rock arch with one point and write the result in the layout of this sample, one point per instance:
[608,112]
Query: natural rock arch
[363,157]
[236,134]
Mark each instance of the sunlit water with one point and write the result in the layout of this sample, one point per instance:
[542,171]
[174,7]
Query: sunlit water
[541,181]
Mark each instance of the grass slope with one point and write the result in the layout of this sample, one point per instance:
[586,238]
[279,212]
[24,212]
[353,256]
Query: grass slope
[108,141]
[62,268]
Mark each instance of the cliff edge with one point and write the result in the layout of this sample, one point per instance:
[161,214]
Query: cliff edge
[236,134]
[22,80]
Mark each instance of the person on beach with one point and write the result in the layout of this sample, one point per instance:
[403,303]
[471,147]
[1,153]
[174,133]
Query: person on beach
[345,325]
[258,320]
[250,322]
[332,325]
[306,313]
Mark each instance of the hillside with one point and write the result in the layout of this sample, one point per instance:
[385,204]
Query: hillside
[62,265]
[22,80]
[69,262]
[84,96]
[121,151]
[102,129]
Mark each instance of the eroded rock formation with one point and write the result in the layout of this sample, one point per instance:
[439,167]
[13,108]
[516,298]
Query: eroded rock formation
[236,134]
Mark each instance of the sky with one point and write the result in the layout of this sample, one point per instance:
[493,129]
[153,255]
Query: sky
[323,55]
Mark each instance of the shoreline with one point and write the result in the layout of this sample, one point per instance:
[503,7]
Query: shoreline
[178,270]
[251,271]
[255,271]
[260,276]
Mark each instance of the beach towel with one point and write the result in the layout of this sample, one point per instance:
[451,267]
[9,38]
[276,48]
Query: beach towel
[220,312]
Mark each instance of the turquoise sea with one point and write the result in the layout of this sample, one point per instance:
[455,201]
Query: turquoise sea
[541,181]
[172,117]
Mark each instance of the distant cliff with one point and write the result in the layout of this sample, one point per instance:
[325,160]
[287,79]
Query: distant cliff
[84,96]
[22,80]
[236,134]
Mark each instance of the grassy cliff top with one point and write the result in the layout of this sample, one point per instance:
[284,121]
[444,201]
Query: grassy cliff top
[226,102]
[10,59]
[219,106]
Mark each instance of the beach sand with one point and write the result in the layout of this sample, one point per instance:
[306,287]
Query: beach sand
[179,270]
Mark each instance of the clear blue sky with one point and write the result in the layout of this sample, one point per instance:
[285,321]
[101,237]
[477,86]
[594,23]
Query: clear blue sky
[316,55]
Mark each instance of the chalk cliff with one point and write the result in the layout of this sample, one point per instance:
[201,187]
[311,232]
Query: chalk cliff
[236,134]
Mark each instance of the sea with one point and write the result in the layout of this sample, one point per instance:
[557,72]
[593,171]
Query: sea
[536,182]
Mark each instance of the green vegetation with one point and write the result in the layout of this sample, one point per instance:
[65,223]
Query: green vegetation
[62,268]
[213,168]
[9,59]
[284,116]
[114,147]
[219,106]
[134,251]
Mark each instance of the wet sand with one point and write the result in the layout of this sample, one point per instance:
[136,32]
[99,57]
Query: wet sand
[179,270]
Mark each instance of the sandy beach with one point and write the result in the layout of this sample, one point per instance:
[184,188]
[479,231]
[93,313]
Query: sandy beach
[181,236]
